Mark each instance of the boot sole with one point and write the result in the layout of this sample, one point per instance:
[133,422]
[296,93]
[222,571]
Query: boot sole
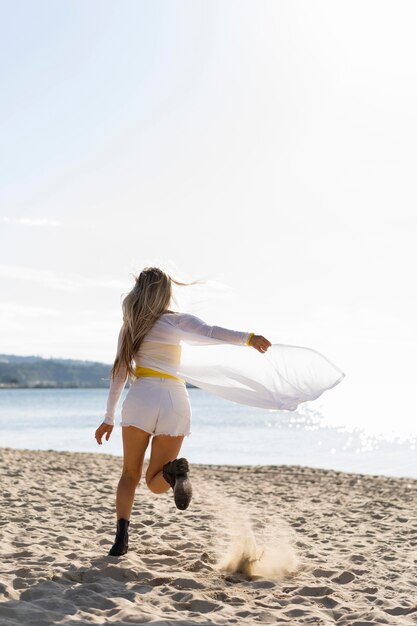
[182,492]
[117,552]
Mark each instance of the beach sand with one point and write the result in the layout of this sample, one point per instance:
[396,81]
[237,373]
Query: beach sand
[270,545]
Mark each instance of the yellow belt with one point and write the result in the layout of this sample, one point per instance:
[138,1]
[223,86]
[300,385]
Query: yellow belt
[146,371]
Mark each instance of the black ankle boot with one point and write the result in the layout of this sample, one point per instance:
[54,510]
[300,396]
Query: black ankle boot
[176,474]
[120,545]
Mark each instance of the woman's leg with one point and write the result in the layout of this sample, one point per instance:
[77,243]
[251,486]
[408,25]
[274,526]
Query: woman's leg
[165,448]
[135,442]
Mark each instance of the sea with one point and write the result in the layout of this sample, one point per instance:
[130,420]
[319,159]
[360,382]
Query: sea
[223,432]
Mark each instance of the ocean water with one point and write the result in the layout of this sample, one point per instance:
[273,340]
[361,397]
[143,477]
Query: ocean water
[223,432]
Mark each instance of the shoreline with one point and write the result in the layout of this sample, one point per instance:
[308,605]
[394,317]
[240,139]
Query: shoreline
[256,467]
[46,386]
[271,544]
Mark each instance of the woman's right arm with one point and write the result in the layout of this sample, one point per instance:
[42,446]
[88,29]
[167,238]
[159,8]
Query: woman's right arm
[193,324]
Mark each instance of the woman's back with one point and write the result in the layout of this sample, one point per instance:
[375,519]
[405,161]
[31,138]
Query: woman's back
[162,343]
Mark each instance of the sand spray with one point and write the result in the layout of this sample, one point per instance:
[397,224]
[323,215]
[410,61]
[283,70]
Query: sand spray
[252,543]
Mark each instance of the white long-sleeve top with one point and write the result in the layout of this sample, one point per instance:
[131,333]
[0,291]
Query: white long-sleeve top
[161,349]
[220,361]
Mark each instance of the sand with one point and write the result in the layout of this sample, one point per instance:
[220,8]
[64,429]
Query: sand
[270,545]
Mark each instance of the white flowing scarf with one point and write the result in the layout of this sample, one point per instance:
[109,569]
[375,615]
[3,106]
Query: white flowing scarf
[281,378]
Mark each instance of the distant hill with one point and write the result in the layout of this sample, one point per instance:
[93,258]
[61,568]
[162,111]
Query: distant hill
[38,372]
[35,371]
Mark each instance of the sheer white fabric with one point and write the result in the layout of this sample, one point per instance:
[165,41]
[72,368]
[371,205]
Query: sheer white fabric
[219,360]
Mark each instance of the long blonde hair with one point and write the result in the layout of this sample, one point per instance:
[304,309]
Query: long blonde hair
[142,306]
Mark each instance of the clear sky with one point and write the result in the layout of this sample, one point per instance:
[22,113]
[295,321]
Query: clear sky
[266,146]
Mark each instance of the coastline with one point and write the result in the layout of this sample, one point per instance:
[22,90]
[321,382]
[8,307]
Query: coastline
[271,544]
[57,386]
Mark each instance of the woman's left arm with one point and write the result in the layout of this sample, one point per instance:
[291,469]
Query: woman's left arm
[117,385]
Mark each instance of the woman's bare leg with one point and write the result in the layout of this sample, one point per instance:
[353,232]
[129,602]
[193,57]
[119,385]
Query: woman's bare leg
[164,448]
[135,442]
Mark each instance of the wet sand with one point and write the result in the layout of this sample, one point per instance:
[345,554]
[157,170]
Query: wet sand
[272,545]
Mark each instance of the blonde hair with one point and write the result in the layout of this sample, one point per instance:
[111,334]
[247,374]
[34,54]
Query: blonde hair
[142,306]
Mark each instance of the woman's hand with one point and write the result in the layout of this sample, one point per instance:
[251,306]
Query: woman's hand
[103,429]
[260,343]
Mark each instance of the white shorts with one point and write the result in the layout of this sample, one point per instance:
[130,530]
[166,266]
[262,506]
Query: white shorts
[157,405]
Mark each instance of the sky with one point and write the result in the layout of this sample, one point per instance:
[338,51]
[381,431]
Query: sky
[268,148]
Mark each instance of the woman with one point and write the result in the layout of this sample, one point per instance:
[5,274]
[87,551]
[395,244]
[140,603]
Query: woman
[157,404]
[170,348]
